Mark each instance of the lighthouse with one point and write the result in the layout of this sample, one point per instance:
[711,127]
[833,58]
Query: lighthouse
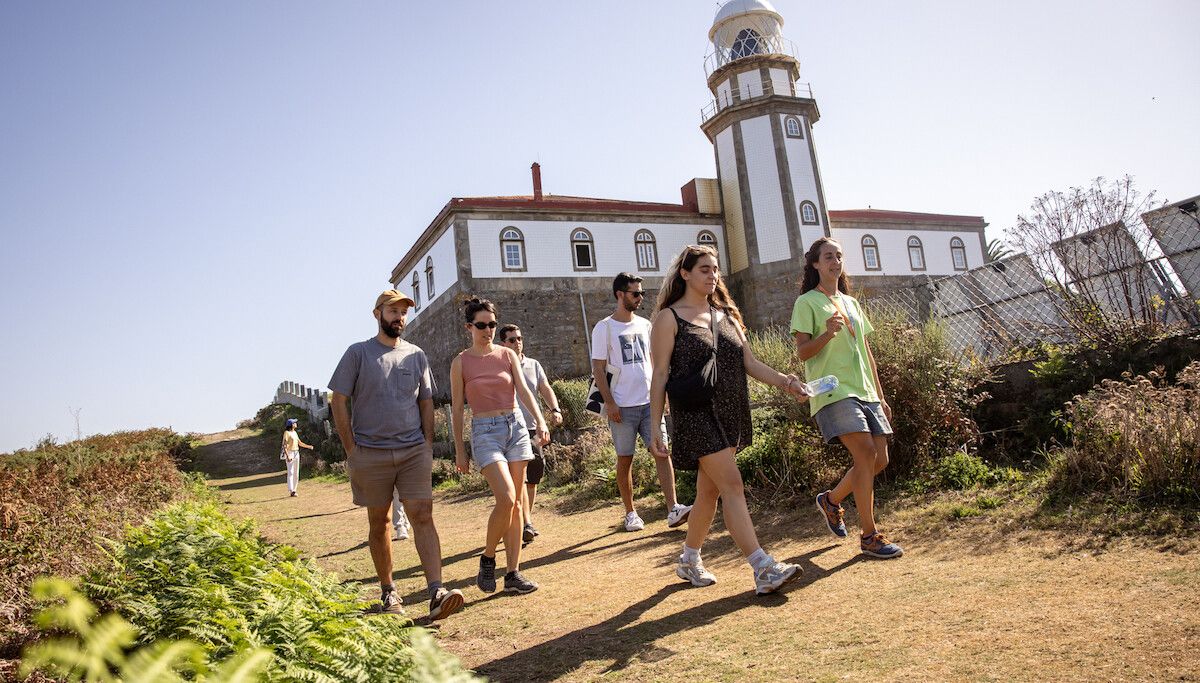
[760,124]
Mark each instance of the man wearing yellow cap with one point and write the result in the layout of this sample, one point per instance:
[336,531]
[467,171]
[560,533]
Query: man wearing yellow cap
[389,445]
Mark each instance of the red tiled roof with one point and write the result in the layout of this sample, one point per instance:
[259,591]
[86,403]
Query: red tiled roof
[883,216]
[565,202]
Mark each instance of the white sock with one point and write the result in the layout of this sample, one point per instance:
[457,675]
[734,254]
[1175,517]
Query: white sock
[759,559]
[690,555]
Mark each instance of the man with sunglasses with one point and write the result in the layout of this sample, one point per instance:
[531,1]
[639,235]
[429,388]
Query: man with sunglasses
[535,378]
[622,340]
[389,446]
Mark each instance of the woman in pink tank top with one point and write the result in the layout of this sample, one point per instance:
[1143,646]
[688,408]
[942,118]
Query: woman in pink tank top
[489,378]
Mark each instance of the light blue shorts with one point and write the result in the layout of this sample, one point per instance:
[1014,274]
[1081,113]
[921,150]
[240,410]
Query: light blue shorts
[634,420]
[852,415]
[503,438]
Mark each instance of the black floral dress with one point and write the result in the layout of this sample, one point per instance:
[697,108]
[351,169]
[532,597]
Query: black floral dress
[727,424]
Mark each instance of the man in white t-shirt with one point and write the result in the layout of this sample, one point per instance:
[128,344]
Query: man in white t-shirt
[622,340]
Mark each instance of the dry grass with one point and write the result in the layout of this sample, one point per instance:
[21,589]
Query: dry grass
[983,598]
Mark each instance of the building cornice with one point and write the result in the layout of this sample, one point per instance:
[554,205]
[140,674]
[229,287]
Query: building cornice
[760,106]
[753,63]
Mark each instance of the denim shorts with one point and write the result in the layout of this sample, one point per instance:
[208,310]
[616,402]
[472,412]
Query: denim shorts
[502,438]
[852,415]
[634,420]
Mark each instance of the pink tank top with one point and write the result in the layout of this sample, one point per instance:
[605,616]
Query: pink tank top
[488,381]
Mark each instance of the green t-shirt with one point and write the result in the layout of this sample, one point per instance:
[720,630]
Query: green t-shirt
[844,357]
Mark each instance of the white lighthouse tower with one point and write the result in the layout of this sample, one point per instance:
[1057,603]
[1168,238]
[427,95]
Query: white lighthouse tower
[760,123]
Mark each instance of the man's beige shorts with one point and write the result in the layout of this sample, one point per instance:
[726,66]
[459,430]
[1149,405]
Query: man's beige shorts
[376,472]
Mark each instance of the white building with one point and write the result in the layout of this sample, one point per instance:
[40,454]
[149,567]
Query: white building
[548,261]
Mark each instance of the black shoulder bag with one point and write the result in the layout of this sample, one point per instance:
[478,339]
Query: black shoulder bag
[695,390]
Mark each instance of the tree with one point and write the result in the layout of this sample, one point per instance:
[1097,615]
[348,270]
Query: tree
[1091,244]
[997,250]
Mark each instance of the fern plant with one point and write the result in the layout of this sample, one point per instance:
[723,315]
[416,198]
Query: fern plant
[97,650]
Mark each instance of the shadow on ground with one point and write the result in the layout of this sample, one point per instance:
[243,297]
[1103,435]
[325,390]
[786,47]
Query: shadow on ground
[623,640]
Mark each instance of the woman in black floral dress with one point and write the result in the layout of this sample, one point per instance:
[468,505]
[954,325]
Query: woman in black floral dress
[692,304]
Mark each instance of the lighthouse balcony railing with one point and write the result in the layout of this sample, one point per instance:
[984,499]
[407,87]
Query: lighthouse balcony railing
[754,90]
[757,46]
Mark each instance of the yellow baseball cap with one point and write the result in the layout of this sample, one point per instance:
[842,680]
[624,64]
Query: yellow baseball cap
[391,296]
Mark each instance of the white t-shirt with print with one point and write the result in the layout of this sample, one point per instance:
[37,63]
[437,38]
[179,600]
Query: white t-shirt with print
[626,346]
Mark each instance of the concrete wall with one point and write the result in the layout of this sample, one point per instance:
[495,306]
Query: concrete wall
[804,177]
[445,273]
[762,172]
[548,246]
[893,249]
[314,401]
[731,197]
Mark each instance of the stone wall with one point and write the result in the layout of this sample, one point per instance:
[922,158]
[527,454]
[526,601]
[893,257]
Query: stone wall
[546,309]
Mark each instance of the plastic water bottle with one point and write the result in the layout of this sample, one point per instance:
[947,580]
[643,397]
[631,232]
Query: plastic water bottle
[823,385]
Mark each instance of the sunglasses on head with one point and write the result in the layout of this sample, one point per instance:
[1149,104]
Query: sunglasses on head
[637,294]
[484,326]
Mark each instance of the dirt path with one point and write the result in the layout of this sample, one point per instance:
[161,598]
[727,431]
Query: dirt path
[966,606]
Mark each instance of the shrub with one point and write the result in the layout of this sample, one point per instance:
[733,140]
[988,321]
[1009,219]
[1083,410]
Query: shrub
[192,573]
[1137,439]
[271,418]
[572,399]
[962,470]
[58,498]
[931,388]
[787,456]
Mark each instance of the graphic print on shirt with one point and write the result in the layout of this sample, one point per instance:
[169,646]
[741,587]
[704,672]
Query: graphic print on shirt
[633,349]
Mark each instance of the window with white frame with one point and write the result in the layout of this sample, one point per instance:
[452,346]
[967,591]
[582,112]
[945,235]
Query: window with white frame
[583,249]
[958,252]
[707,238]
[512,249]
[916,253]
[429,277]
[647,250]
[870,251]
[416,287]
[791,126]
[748,42]
[808,213]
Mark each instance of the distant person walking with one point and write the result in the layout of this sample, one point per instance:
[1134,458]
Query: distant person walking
[622,340]
[399,518]
[535,378]
[831,333]
[291,454]
[489,378]
[697,327]
[389,445]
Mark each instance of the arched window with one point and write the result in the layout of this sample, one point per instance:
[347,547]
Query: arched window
[748,42]
[916,253]
[870,250]
[583,249]
[808,213]
[416,290]
[707,238]
[958,253]
[512,249]
[791,126]
[647,250]
[429,277]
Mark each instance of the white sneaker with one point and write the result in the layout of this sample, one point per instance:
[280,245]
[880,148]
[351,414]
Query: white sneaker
[401,534]
[696,573]
[678,515]
[769,578]
[633,522]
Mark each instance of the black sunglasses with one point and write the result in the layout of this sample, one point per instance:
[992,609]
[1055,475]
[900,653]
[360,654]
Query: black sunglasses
[484,326]
[637,294]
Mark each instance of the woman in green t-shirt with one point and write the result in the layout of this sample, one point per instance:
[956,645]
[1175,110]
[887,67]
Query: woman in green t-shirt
[831,333]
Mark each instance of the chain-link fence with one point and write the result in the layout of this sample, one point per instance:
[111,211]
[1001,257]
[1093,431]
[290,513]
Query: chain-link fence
[1083,286]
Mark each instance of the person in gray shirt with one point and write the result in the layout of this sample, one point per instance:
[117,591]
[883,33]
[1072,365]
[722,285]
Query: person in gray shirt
[386,383]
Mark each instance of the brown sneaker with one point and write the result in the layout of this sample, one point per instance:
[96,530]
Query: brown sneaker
[876,545]
[834,515]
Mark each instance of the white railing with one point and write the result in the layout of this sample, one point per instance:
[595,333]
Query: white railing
[755,91]
[759,46]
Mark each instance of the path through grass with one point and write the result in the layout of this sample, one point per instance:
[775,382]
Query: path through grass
[962,604]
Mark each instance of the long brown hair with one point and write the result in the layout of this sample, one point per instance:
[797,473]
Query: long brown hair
[674,285]
[811,277]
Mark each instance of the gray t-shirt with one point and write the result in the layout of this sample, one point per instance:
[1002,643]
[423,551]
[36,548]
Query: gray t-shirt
[534,376]
[384,385]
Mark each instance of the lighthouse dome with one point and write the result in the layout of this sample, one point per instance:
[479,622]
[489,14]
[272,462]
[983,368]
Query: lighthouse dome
[758,14]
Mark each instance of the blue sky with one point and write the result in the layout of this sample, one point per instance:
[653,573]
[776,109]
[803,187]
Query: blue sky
[199,200]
